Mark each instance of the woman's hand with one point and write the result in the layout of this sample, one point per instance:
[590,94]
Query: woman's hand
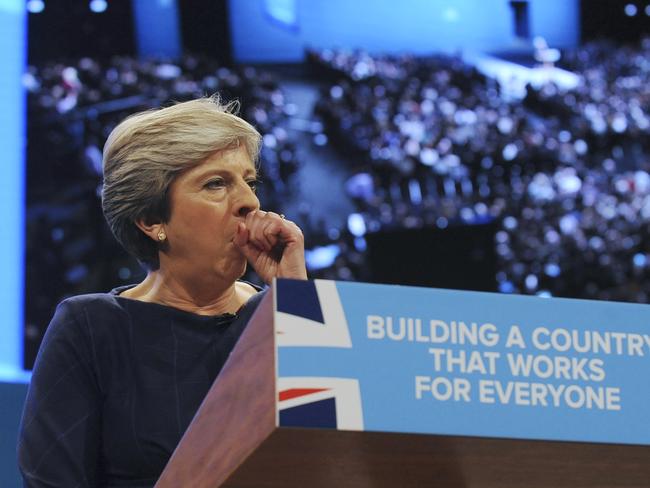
[274,246]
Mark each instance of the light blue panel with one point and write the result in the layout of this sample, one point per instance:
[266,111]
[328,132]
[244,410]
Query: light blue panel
[558,21]
[386,26]
[257,37]
[387,368]
[157,28]
[12,141]
[414,26]
[12,397]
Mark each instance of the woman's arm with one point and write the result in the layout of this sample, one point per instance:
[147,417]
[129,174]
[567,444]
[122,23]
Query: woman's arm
[59,437]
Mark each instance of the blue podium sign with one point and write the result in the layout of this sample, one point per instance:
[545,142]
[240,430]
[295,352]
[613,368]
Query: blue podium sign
[356,356]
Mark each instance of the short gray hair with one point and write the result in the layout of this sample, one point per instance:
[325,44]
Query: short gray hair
[146,151]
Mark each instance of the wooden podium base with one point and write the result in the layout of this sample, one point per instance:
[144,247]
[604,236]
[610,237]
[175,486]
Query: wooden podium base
[319,458]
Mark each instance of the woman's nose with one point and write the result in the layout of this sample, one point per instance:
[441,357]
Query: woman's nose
[246,201]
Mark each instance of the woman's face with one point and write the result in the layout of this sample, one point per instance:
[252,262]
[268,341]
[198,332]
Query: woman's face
[207,204]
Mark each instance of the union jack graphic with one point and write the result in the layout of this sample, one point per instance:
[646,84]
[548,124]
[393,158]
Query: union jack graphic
[310,314]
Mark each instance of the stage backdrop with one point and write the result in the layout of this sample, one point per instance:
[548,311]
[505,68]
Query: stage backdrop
[280,30]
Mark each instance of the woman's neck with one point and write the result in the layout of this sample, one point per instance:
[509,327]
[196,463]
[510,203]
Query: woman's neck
[202,299]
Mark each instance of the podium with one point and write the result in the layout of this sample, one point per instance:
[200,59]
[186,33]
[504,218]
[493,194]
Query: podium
[326,388]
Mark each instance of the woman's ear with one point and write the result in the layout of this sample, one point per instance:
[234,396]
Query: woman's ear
[155,231]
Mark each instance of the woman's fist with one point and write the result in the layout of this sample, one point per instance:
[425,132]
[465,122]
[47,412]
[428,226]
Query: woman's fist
[274,246]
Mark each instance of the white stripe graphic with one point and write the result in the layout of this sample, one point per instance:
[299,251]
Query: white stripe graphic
[292,330]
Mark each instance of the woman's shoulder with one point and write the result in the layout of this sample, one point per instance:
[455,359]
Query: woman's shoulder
[90,302]
[78,312]
[79,324]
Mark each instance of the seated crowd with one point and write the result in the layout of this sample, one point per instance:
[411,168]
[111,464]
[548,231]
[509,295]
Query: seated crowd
[565,172]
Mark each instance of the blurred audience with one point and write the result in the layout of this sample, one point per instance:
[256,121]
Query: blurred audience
[564,171]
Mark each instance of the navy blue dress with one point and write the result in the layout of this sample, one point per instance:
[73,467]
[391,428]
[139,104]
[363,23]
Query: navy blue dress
[115,385]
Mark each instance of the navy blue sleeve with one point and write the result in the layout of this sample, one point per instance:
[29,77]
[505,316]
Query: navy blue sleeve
[60,431]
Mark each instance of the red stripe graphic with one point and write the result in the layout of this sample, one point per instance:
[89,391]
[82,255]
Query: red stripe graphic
[298,392]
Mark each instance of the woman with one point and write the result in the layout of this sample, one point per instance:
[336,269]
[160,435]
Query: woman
[120,375]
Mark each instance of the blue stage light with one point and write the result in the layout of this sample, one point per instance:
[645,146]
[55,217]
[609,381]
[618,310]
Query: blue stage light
[321,257]
[98,6]
[630,10]
[640,260]
[356,224]
[35,6]
[450,15]
[506,287]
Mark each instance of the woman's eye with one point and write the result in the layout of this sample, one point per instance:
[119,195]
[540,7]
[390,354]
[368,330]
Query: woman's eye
[212,184]
[253,184]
